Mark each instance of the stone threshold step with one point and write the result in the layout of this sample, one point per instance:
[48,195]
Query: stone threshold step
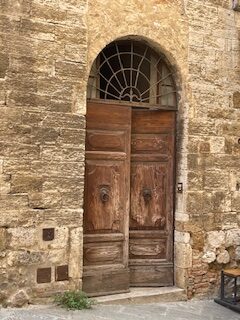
[145,295]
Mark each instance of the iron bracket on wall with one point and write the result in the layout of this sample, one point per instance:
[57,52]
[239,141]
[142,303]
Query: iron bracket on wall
[180,187]
[236,5]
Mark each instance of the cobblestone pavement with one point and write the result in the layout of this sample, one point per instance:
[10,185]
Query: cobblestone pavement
[194,310]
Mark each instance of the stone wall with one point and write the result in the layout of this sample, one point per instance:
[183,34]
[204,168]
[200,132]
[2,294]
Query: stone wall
[213,147]
[46,51]
[42,70]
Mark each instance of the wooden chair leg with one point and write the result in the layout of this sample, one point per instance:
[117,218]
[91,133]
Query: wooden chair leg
[222,286]
[235,291]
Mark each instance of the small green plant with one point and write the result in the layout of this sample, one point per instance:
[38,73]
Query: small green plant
[74,300]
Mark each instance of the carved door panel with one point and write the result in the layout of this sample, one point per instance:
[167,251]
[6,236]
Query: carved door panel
[106,199]
[151,209]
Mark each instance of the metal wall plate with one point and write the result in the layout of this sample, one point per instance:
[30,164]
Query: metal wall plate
[61,273]
[48,234]
[44,275]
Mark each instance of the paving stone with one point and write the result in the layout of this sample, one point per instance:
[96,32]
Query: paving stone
[193,310]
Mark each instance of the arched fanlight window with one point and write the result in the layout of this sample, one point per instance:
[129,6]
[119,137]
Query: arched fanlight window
[132,71]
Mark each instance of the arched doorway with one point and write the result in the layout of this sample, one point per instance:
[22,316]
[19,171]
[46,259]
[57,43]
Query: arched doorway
[129,176]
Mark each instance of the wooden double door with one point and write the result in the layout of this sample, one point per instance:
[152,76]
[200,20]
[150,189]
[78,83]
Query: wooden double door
[128,201]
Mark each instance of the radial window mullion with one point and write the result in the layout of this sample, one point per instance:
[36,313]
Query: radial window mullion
[131,71]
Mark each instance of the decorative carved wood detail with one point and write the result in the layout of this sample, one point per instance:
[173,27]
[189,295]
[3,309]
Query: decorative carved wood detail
[147,248]
[145,143]
[105,140]
[104,216]
[107,253]
[148,214]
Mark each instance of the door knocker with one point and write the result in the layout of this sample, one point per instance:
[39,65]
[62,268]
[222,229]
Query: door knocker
[147,194]
[104,194]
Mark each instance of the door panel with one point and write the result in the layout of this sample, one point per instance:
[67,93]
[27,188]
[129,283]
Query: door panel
[148,205]
[106,191]
[106,199]
[151,209]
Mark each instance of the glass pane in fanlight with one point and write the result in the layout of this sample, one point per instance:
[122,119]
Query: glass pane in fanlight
[168,96]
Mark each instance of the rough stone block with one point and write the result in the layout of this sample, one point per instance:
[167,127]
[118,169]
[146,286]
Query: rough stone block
[4,64]
[217,144]
[216,179]
[3,239]
[235,201]
[63,154]
[76,247]
[48,12]
[75,53]
[195,180]
[69,69]
[60,240]
[62,120]
[37,30]
[26,183]
[44,135]
[180,277]
[72,137]
[232,145]
[22,237]
[232,238]
[236,97]
[223,257]
[13,202]
[194,202]
[4,184]
[209,257]
[182,237]
[18,299]
[15,150]
[183,255]
[40,200]
[215,239]
[198,240]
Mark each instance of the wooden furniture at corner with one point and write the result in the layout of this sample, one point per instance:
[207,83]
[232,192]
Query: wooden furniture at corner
[230,273]
[233,302]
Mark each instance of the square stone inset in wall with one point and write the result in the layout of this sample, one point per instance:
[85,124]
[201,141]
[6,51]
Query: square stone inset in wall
[61,273]
[48,234]
[44,275]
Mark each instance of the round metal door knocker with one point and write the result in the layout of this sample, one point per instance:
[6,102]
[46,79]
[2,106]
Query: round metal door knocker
[104,194]
[147,194]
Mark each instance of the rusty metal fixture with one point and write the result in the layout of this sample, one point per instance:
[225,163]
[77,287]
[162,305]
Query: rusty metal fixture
[104,194]
[180,187]
[236,5]
[147,194]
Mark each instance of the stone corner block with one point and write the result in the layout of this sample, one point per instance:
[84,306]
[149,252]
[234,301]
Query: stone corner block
[183,255]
